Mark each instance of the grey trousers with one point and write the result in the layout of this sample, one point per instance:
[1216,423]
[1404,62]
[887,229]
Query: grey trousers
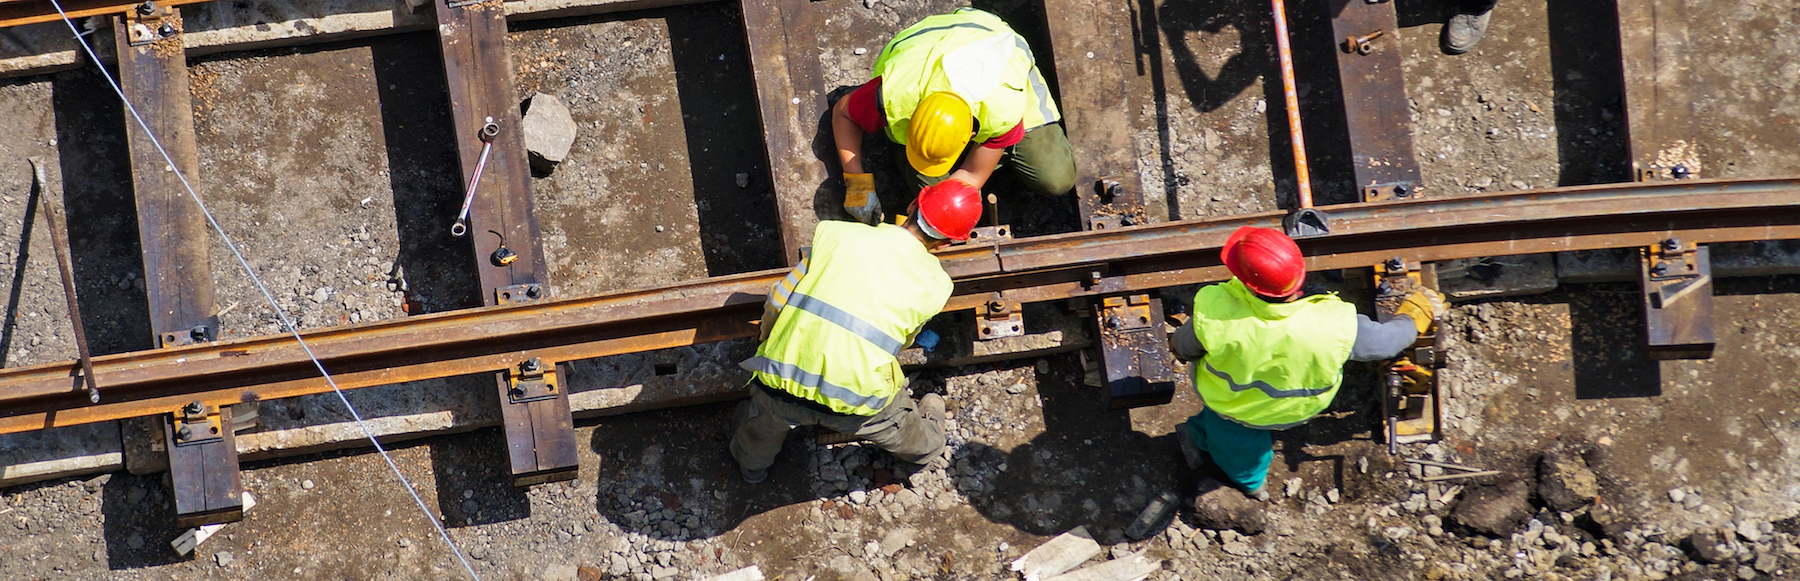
[1044,162]
[763,422]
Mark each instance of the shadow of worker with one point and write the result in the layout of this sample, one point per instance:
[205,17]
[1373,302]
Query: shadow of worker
[1088,468]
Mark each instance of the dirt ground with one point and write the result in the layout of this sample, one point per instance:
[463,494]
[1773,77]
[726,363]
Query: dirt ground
[332,167]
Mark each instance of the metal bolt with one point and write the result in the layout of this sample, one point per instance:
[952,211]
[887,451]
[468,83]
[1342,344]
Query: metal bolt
[166,30]
[529,366]
[199,333]
[1671,245]
[146,9]
[1680,172]
[1660,269]
[194,408]
[996,306]
[184,433]
[534,291]
[1396,264]
[1401,192]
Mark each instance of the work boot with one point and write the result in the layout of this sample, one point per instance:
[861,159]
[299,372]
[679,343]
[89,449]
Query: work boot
[932,406]
[1189,450]
[1259,494]
[1464,30]
[754,476]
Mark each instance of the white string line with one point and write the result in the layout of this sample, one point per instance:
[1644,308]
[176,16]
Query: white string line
[285,321]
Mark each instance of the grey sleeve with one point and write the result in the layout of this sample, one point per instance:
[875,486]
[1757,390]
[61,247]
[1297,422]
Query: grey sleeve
[1379,341]
[1185,344]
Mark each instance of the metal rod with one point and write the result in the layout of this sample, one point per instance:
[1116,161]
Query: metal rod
[1302,178]
[1441,464]
[1459,475]
[59,239]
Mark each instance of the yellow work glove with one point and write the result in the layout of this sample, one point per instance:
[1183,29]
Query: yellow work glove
[860,199]
[1424,306]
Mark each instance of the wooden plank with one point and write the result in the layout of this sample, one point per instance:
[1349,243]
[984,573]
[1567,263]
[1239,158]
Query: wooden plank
[171,228]
[1659,106]
[478,69]
[790,95]
[177,270]
[1375,105]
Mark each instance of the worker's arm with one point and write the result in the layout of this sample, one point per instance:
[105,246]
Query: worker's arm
[1382,341]
[778,296]
[1186,344]
[848,137]
[978,166]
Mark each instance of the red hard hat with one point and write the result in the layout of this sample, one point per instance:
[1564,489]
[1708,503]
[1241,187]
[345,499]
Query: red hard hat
[1266,260]
[950,208]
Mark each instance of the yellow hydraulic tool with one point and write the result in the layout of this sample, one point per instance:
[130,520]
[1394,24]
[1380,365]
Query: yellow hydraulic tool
[1412,409]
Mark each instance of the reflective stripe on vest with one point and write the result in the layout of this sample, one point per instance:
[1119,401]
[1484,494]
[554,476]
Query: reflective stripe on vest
[848,321]
[813,380]
[1270,365]
[1267,389]
[973,54]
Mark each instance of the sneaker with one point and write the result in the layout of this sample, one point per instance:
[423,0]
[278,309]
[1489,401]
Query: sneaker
[1259,494]
[1189,451]
[754,476]
[1463,31]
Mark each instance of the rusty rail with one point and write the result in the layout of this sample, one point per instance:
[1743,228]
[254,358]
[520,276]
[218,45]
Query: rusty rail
[1035,269]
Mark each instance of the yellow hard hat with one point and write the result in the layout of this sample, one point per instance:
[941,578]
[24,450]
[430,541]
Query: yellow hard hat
[938,133]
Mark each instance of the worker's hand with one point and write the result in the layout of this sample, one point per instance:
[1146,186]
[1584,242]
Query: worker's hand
[860,199]
[1424,306]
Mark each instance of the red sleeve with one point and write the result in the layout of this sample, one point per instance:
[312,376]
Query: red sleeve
[1007,139]
[864,106]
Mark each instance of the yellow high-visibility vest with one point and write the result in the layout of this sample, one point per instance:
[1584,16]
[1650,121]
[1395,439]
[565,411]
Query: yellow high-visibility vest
[971,53]
[866,291]
[1270,365]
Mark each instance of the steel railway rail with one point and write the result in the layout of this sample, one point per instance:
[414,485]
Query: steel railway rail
[1027,270]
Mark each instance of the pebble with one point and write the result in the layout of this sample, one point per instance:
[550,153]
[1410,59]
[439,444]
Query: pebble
[860,51]
[307,484]
[743,179]
[858,496]
[224,558]
[1676,494]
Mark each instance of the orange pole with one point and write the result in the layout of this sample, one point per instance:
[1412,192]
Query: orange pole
[1293,104]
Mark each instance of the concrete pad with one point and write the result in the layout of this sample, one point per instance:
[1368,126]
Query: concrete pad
[1730,260]
[36,49]
[60,452]
[1049,327]
[1500,276]
[1058,555]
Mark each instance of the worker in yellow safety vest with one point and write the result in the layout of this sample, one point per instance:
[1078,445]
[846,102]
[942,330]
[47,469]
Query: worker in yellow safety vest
[958,91]
[832,332]
[1267,358]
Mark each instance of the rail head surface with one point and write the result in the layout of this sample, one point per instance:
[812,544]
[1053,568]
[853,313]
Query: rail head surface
[1033,269]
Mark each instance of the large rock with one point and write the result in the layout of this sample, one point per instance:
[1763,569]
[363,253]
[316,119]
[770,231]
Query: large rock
[1221,507]
[549,132]
[1495,510]
[1708,546]
[1565,483]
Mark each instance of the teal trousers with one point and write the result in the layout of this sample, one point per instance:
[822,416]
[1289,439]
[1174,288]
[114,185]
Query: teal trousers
[1242,452]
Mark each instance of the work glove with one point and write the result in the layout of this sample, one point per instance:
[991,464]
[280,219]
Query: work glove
[860,199]
[1424,306]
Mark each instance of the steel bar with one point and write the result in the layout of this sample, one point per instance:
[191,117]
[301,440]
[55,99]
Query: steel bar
[59,239]
[1036,269]
[509,258]
[21,12]
[1460,475]
[781,36]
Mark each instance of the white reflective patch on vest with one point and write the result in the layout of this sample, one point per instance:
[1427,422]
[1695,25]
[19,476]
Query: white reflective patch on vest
[975,70]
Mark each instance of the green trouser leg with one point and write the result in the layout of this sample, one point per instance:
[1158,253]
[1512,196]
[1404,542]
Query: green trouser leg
[1242,452]
[1044,162]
